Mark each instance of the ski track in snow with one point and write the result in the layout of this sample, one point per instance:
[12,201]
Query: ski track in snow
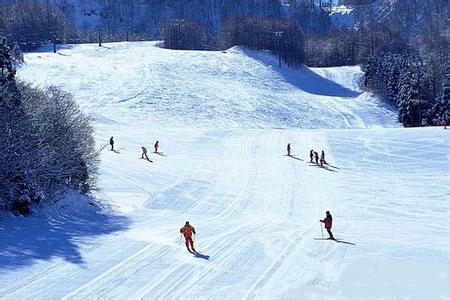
[224,169]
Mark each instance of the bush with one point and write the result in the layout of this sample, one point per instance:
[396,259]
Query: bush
[46,143]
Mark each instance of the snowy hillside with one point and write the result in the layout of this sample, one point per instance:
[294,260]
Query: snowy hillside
[231,89]
[223,168]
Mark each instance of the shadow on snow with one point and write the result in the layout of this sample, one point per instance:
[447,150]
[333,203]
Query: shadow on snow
[200,255]
[303,78]
[26,240]
[336,240]
[323,167]
[48,48]
[294,157]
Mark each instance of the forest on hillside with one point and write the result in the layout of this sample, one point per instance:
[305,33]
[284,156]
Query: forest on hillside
[402,46]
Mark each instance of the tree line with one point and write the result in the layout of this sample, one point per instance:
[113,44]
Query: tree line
[410,83]
[404,53]
[408,60]
[410,28]
[281,36]
[32,24]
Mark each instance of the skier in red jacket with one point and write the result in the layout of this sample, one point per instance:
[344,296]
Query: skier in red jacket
[187,230]
[328,224]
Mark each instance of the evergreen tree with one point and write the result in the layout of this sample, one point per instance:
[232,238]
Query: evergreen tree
[393,79]
[408,102]
[441,110]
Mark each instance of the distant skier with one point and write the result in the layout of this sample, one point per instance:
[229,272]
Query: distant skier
[144,153]
[444,123]
[328,224]
[311,155]
[289,149]
[316,157]
[156,146]
[111,142]
[322,159]
[187,230]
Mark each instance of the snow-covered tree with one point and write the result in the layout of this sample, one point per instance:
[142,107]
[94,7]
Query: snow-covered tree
[46,143]
[441,109]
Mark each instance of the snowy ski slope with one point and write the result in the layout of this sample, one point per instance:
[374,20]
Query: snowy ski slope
[223,121]
[195,89]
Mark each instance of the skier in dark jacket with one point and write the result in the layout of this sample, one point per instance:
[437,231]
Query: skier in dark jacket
[316,157]
[328,224]
[187,230]
[311,155]
[144,153]
[322,159]
[111,142]
[289,149]
[156,146]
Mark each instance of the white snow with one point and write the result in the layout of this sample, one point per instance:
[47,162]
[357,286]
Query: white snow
[197,89]
[342,16]
[218,118]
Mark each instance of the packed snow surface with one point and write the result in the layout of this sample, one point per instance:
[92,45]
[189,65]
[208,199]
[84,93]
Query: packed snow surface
[237,88]
[223,167]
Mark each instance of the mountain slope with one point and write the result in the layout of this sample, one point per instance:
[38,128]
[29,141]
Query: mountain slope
[256,211]
[231,89]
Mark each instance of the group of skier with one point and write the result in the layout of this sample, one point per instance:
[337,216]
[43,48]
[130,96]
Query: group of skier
[188,231]
[144,150]
[314,157]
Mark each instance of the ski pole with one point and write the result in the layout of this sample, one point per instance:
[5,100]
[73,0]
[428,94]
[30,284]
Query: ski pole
[321,229]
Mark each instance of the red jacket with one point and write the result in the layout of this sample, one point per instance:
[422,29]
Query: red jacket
[328,222]
[187,231]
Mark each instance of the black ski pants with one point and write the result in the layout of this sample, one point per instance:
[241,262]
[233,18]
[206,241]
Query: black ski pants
[330,233]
